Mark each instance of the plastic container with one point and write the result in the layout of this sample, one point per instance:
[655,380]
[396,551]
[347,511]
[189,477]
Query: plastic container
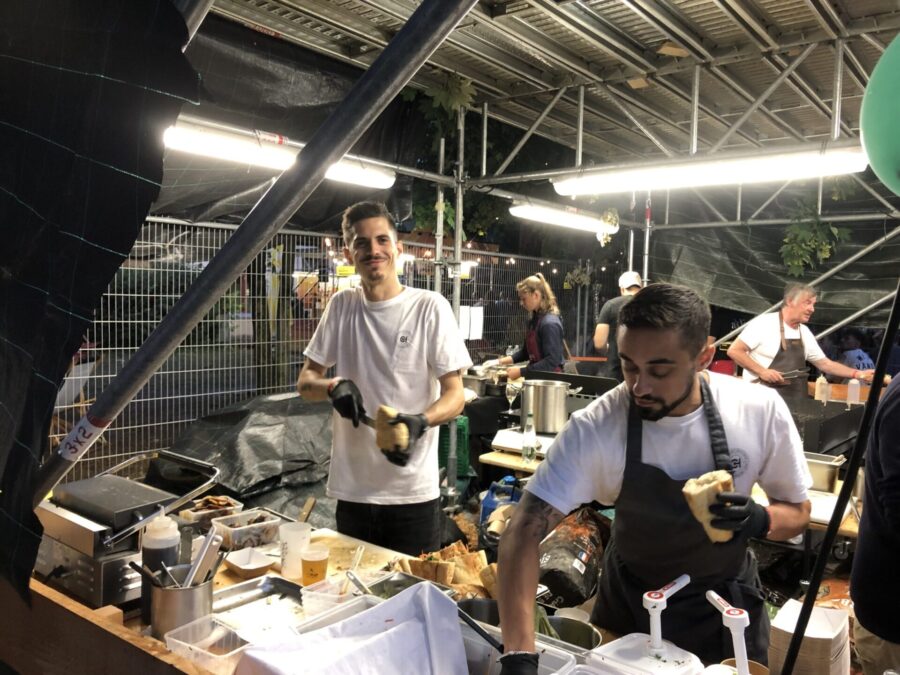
[823,389]
[240,531]
[629,655]
[209,643]
[502,492]
[325,595]
[336,613]
[462,446]
[203,517]
[159,545]
[852,391]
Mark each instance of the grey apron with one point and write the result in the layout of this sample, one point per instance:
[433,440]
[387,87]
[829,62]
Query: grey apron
[790,356]
[655,539]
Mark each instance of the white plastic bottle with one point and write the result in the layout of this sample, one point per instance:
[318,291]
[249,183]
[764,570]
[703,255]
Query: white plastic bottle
[529,440]
[822,389]
[852,391]
[159,544]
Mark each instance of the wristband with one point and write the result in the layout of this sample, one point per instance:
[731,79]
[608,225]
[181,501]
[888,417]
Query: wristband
[334,382]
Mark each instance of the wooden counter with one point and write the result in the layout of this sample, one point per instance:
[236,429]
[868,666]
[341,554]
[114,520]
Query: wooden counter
[58,634]
[509,460]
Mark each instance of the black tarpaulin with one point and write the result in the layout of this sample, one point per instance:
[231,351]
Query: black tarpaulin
[741,268]
[263,443]
[86,89]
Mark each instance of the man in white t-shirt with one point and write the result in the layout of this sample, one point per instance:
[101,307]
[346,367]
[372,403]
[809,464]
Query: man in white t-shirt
[778,343]
[634,448]
[391,345]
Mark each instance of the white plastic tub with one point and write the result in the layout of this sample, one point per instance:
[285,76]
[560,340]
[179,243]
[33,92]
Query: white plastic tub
[482,658]
[209,643]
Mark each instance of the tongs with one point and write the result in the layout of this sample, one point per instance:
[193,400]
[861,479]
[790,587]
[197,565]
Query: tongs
[791,374]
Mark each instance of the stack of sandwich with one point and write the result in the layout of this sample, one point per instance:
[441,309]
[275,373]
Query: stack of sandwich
[468,573]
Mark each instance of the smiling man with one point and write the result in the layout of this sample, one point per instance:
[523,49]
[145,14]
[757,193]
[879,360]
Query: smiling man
[634,448]
[391,345]
[777,343]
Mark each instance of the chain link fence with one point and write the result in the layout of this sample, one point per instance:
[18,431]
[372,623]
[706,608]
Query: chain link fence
[252,340]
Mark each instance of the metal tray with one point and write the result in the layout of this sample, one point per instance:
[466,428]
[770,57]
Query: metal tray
[392,584]
[267,602]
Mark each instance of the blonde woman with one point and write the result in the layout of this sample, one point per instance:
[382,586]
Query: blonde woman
[544,337]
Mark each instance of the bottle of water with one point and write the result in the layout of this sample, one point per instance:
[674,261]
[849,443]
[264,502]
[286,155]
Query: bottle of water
[529,440]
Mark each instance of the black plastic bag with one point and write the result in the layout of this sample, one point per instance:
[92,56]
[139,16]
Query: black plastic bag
[570,557]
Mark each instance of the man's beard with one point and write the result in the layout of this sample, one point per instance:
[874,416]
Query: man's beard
[653,415]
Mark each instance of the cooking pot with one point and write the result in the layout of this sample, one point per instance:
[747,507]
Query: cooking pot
[546,401]
[475,382]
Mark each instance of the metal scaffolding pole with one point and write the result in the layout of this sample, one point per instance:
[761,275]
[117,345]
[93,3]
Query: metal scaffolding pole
[838,218]
[579,131]
[484,137]
[837,89]
[648,216]
[695,109]
[439,225]
[752,108]
[769,200]
[375,89]
[853,317]
[614,99]
[830,273]
[528,133]
[630,250]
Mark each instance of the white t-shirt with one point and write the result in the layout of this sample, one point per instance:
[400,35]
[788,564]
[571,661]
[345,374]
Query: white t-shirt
[763,338]
[395,351]
[587,460]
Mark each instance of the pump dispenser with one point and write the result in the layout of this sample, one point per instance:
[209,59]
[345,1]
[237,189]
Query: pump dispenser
[852,392]
[159,545]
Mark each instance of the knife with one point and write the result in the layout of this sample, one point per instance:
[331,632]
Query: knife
[368,421]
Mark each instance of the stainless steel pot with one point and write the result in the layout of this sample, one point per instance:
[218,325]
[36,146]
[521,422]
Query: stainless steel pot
[475,382]
[546,400]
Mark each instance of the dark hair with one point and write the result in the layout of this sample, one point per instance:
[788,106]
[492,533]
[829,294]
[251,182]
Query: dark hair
[360,211]
[796,288]
[854,332]
[667,306]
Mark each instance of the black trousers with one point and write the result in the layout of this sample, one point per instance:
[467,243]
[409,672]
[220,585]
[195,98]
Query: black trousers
[407,528]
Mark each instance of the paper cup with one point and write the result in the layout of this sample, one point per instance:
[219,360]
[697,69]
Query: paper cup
[294,538]
[755,668]
[314,564]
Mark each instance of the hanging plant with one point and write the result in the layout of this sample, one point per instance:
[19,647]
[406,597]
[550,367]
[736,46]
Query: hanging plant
[809,240]
[454,91]
[579,276]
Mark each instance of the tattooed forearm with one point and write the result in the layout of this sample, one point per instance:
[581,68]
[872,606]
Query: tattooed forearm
[536,517]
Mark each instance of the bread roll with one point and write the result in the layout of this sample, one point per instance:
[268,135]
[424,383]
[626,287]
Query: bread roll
[700,493]
[488,578]
[389,436]
[468,567]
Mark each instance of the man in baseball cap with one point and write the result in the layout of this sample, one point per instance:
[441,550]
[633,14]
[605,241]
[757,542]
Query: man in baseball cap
[629,283]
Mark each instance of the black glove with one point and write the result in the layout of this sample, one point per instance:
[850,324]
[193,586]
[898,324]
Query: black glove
[739,513]
[417,425]
[519,663]
[347,400]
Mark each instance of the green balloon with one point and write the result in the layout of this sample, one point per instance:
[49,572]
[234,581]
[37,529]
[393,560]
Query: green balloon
[879,118]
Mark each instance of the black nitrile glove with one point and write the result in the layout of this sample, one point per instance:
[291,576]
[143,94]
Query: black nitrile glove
[417,425]
[347,400]
[519,663]
[739,513]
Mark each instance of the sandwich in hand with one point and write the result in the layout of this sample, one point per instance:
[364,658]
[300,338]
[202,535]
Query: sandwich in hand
[700,493]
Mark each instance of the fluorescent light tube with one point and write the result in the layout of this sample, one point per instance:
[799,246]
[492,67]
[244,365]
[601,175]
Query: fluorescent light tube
[713,171]
[267,150]
[563,216]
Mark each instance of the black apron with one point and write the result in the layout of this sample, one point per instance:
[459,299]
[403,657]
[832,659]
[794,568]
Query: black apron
[790,356]
[655,539]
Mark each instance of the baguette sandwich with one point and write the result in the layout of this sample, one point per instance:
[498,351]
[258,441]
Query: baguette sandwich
[700,493]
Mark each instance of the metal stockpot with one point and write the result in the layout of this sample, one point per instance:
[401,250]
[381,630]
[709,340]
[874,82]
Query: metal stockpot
[546,400]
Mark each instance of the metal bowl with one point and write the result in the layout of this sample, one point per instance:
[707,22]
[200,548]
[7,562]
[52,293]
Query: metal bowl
[481,609]
[575,632]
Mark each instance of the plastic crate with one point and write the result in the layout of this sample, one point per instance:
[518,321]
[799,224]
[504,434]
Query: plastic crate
[209,643]
[462,446]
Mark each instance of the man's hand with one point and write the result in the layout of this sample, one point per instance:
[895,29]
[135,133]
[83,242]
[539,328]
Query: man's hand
[770,376]
[417,425]
[347,400]
[491,363]
[739,513]
[519,663]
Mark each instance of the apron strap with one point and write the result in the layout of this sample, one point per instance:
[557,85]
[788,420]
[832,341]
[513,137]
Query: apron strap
[717,439]
[634,440]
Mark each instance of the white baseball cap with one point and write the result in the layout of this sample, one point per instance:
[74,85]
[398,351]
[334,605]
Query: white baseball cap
[629,279]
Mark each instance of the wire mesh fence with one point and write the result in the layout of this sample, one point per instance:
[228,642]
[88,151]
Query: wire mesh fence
[251,341]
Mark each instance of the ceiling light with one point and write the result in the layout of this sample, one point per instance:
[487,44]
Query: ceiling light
[564,217]
[267,150]
[761,167]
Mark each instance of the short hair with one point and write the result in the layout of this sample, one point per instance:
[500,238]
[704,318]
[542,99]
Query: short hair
[537,282]
[796,288]
[669,307]
[360,211]
[854,332]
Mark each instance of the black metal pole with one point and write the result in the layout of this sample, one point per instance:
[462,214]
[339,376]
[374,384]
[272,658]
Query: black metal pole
[410,48]
[862,438]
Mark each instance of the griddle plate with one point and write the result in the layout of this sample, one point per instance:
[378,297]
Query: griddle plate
[111,500]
